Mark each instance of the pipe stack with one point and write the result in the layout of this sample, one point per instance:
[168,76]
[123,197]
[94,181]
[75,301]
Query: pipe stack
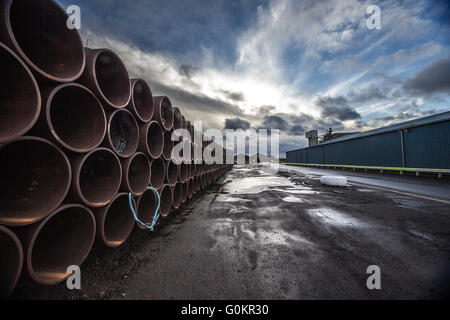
[76,136]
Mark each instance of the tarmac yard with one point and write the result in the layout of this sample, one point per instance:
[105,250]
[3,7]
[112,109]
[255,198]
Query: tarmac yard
[259,235]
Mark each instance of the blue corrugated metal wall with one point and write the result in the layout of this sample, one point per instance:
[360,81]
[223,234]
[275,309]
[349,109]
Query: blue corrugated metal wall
[380,150]
[428,146]
[425,147]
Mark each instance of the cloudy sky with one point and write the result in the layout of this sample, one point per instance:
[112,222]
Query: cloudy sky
[292,65]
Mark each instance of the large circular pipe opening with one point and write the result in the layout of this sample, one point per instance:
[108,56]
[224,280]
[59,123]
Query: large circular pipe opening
[172,172]
[184,191]
[142,100]
[168,145]
[20,99]
[190,188]
[177,119]
[197,184]
[146,208]
[164,112]
[117,222]
[62,240]
[123,133]
[177,195]
[11,261]
[136,173]
[184,172]
[154,140]
[112,79]
[35,178]
[166,200]
[99,177]
[39,32]
[76,118]
[158,173]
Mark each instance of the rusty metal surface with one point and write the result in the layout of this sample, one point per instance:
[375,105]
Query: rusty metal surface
[97,177]
[166,200]
[122,134]
[146,207]
[136,174]
[141,102]
[106,76]
[151,139]
[114,221]
[33,27]
[63,239]
[163,112]
[11,262]
[71,117]
[21,98]
[35,177]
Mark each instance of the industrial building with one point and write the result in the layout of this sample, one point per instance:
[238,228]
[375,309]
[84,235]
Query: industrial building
[420,143]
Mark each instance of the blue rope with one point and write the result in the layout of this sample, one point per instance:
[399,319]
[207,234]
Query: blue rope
[155,216]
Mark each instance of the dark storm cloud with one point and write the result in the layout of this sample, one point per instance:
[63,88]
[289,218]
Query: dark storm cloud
[275,122]
[432,79]
[201,102]
[235,96]
[187,70]
[297,130]
[199,107]
[298,124]
[337,108]
[236,124]
[177,26]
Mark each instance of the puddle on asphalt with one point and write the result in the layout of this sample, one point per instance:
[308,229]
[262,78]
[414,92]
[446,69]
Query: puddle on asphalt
[292,199]
[240,209]
[366,190]
[226,233]
[254,185]
[298,190]
[231,199]
[335,218]
[420,235]
[278,236]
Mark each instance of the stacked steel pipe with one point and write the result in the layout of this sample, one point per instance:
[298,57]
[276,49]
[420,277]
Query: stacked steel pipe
[76,137]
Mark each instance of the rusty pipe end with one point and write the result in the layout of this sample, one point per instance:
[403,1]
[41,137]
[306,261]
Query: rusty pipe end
[146,208]
[168,145]
[191,187]
[37,27]
[75,118]
[97,177]
[136,174]
[63,239]
[123,133]
[115,221]
[106,75]
[21,98]
[172,172]
[151,139]
[177,195]
[35,178]
[166,200]
[11,261]
[163,112]
[141,102]
[184,191]
[158,168]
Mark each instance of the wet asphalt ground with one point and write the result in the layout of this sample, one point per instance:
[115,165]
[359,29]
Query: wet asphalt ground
[260,235]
